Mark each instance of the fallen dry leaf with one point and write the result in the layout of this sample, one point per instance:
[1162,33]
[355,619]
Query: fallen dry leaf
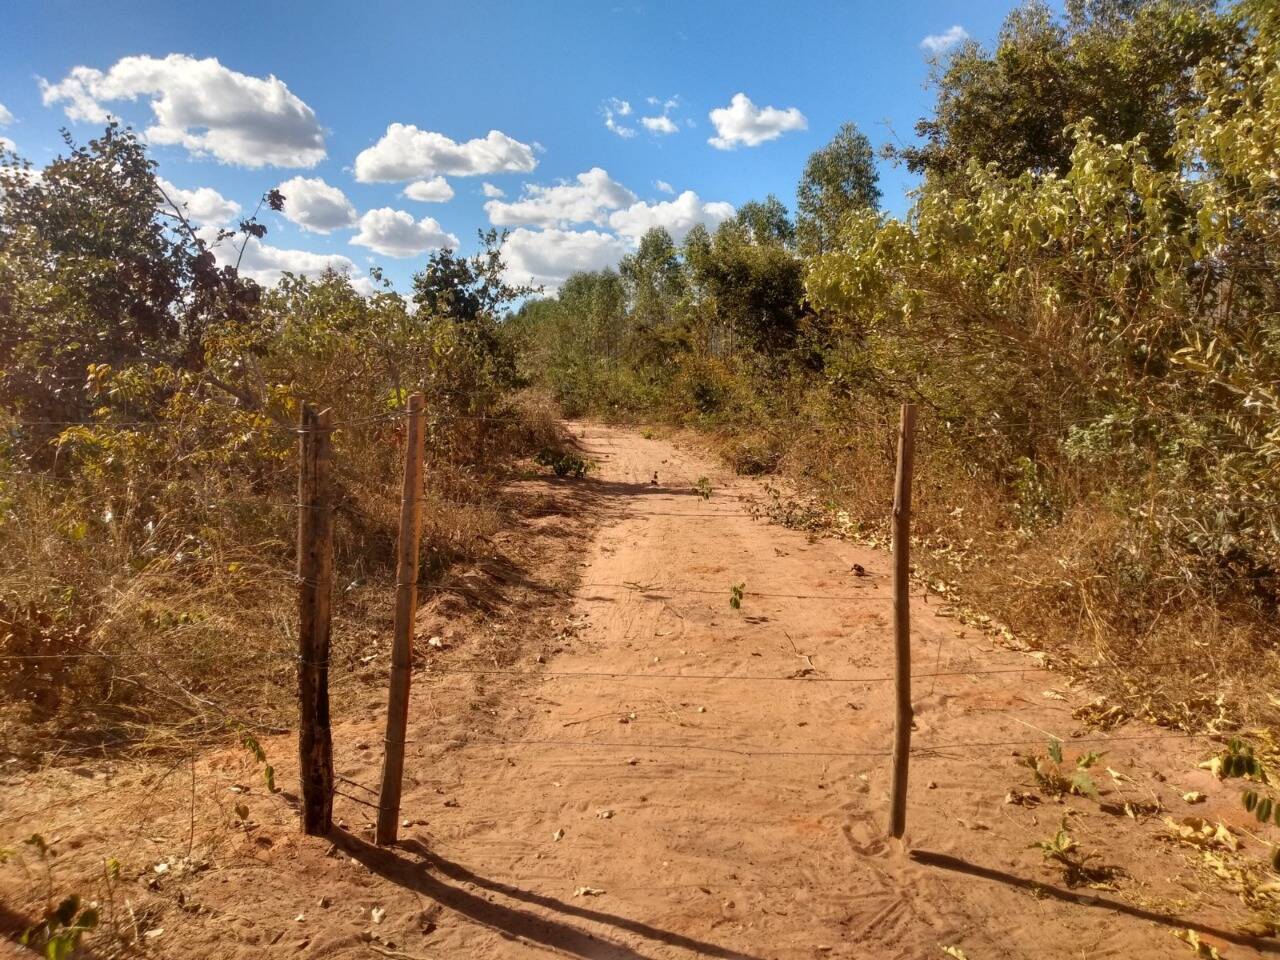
[1202,949]
[1201,833]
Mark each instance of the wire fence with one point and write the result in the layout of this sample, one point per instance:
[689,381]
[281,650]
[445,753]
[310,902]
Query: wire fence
[643,591]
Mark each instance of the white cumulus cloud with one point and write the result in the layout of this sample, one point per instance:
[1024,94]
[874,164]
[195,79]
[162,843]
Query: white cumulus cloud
[660,124]
[435,190]
[5,116]
[204,205]
[742,122]
[677,216]
[267,264]
[588,199]
[395,233]
[664,187]
[938,43]
[315,205]
[406,153]
[548,257]
[201,105]
[613,109]
[492,192]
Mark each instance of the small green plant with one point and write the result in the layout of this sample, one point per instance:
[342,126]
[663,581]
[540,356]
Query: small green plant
[1055,778]
[736,593]
[563,463]
[1078,867]
[1238,760]
[703,489]
[58,933]
[251,744]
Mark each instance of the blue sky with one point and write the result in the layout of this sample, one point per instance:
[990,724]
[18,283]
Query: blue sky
[546,76]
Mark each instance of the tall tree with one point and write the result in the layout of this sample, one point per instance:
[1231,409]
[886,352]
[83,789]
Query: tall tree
[1126,66]
[97,267]
[838,179]
[768,221]
[753,289]
[653,279]
[467,289]
[459,299]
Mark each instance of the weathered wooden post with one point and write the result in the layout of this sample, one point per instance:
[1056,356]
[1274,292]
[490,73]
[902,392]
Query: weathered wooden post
[315,588]
[406,609]
[902,619]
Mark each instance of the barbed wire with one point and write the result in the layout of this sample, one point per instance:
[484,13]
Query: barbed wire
[808,675]
[675,747]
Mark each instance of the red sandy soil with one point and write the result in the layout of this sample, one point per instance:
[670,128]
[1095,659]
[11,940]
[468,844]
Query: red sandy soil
[619,789]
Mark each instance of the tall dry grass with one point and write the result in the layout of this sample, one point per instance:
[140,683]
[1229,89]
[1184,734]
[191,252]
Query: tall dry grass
[139,612]
[1081,582]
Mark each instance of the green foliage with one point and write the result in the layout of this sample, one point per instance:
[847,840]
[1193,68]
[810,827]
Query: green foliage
[1063,299]
[838,180]
[667,329]
[459,302]
[563,463]
[97,267]
[1054,778]
[767,222]
[250,743]
[736,593]
[1125,66]
[750,290]
[703,488]
[57,935]
[126,531]
[581,346]
[1078,867]
[1239,760]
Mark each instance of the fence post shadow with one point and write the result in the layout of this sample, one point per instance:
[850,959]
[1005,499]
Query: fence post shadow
[1093,900]
[425,873]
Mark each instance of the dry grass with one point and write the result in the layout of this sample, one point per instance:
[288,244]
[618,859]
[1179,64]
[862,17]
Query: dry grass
[127,633]
[1160,643]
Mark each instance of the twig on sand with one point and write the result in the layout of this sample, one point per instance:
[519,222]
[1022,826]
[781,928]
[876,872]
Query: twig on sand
[803,656]
[395,954]
[599,716]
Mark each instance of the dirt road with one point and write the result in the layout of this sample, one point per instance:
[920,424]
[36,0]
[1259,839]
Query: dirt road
[659,775]
[652,801]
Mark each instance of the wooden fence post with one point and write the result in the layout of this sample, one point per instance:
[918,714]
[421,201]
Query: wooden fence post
[902,619]
[406,608]
[315,588]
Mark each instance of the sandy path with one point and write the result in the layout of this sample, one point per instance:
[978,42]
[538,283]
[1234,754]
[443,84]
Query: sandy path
[623,751]
[734,818]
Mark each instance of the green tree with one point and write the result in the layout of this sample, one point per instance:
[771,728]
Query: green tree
[768,221]
[460,299]
[468,289]
[1127,66]
[95,271]
[753,292]
[653,279]
[837,180]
